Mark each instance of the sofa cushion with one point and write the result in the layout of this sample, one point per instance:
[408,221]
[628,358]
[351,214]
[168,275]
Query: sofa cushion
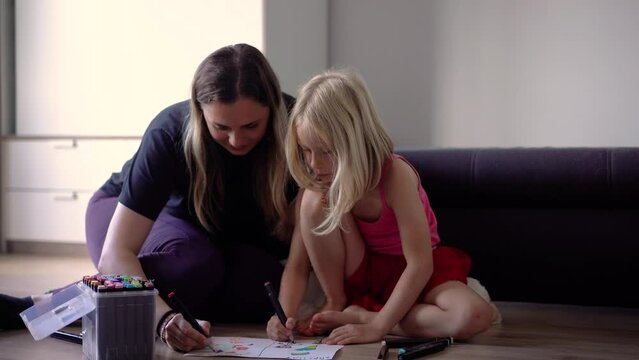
[550,225]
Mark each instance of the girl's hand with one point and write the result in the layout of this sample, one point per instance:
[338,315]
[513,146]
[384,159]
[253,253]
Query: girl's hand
[354,334]
[181,336]
[279,332]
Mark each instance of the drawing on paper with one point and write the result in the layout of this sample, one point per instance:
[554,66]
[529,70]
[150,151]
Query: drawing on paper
[266,348]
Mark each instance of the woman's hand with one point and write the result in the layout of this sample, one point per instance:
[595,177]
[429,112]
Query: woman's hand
[179,335]
[354,334]
[279,332]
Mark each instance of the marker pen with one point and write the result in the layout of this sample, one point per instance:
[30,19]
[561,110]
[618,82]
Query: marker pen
[67,336]
[382,351]
[277,306]
[186,314]
[397,342]
[422,350]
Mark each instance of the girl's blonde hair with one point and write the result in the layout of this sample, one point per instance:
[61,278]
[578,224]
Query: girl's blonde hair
[337,107]
[227,74]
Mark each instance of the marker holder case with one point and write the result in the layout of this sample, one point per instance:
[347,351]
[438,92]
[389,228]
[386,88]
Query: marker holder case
[116,324]
[121,326]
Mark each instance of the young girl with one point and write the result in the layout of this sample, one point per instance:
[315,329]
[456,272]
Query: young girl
[365,225]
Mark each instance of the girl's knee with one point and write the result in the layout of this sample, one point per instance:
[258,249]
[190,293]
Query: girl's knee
[474,318]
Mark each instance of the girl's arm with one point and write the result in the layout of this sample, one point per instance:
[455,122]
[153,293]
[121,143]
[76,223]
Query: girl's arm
[293,284]
[402,196]
[295,276]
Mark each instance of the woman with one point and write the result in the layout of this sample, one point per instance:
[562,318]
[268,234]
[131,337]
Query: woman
[201,208]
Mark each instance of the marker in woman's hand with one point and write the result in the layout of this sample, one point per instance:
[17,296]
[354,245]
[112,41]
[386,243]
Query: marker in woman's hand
[186,314]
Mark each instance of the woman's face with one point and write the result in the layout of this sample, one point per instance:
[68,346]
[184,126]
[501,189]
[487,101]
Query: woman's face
[238,126]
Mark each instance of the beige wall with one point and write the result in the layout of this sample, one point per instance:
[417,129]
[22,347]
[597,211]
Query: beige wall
[443,72]
[462,73]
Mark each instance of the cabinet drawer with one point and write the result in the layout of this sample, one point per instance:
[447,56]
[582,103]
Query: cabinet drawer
[55,216]
[64,164]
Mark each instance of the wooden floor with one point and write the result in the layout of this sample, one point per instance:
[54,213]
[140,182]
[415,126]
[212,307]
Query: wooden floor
[528,331]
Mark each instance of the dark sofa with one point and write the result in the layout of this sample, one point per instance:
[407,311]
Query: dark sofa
[543,225]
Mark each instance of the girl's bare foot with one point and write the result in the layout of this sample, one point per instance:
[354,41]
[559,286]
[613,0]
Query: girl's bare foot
[304,326]
[328,320]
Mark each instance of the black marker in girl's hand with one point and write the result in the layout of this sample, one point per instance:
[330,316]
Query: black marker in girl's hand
[276,305]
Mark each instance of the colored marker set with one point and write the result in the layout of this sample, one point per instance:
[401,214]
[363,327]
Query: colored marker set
[122,324]
[111,283]
[118,316]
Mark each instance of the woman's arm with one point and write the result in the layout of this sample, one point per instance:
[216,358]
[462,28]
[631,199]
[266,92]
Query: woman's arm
[127,232]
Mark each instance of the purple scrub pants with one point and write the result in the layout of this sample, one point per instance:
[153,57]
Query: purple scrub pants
[220,281]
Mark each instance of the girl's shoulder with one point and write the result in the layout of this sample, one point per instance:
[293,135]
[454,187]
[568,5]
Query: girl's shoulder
[400,169]
[399,177]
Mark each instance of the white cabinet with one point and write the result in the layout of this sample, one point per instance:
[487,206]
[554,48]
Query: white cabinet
[52,215]
[79,76]
[47,183]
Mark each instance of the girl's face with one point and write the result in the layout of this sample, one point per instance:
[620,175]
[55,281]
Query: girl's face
[238,126]
[318,157]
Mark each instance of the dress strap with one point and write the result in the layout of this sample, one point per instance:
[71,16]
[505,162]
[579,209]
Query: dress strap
[385,168]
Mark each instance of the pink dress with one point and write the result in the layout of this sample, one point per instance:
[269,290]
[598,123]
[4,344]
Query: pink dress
[373,282]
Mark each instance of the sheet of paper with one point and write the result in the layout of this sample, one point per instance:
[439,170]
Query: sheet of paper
[267,349]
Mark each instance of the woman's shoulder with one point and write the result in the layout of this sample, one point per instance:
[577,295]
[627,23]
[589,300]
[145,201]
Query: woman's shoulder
[163,137]
[167,127]
[172,118]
